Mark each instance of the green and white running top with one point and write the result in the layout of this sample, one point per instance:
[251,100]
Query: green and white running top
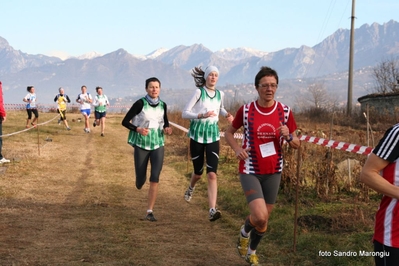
[100,103]
[204,130]
[151,117]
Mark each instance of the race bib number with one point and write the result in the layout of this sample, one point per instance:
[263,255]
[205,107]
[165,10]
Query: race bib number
[267,149]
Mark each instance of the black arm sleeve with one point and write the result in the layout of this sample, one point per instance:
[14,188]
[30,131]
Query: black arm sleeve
[165,117]
[134,110]
[67,98]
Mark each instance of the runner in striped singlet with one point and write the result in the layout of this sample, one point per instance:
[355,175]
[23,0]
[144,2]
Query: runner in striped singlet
[203,110]
[267,125]
[381,173]
[148,123]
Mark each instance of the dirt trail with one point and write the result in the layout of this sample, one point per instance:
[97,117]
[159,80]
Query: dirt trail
[76,204]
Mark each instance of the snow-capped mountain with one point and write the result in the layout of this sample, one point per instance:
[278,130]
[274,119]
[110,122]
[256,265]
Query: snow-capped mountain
[152,55]
[89,55]
[64,56]
[237,54]
[156,53]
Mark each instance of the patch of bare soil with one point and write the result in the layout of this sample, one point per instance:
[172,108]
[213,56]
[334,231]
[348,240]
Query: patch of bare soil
[76,204]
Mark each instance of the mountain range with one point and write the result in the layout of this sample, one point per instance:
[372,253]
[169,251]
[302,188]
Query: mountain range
[122,74]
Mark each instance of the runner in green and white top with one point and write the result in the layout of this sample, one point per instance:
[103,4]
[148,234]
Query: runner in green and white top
[203,110]
[100,104]
[148,123]
[205,130]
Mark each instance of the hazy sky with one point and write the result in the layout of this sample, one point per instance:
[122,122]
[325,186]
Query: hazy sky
[76,27]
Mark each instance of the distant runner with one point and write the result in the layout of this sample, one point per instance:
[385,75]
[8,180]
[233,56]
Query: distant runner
[85,100]
[62,99]
[31,107]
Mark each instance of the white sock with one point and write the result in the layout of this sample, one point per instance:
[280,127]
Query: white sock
[250,251]
[243,233]
[149,211]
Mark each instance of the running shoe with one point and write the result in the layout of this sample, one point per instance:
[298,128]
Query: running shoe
[150,217]
[214,214]
[189,194]
[4,160]
[252,259]
[68,128]
[242,244]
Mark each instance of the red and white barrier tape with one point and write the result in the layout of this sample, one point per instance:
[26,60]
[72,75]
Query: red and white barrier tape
[236,135]
[319,141]
[344,146]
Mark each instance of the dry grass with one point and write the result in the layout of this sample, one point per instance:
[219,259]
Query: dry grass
[72,201]
[76,203]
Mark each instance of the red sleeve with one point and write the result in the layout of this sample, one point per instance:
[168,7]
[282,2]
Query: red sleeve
[238,118]
[2,110]
[291,124]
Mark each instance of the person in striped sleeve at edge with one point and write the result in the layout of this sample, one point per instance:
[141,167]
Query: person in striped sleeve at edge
[203,110]
[3,116]
[267,125]
[381,173]
[148,123]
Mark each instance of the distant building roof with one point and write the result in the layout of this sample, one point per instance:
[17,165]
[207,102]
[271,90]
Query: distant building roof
[377,95]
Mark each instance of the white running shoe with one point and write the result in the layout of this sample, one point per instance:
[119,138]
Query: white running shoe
[4,160]
[189,194]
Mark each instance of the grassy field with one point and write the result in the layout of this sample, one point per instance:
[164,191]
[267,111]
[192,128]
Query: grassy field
[72,201]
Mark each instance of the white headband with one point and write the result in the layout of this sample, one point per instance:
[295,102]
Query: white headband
[210,69]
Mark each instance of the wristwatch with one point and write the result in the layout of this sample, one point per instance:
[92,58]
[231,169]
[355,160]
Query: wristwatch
[290,139]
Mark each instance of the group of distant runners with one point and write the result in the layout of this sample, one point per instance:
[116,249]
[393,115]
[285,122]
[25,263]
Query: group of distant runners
[85,99]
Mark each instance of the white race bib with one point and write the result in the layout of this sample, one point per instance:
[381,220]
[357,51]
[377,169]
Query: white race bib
[267,149]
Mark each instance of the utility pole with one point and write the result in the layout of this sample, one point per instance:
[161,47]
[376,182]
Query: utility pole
[350,75]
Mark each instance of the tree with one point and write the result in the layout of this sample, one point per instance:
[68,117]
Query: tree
[316,97]
[319,96]
[386,75]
